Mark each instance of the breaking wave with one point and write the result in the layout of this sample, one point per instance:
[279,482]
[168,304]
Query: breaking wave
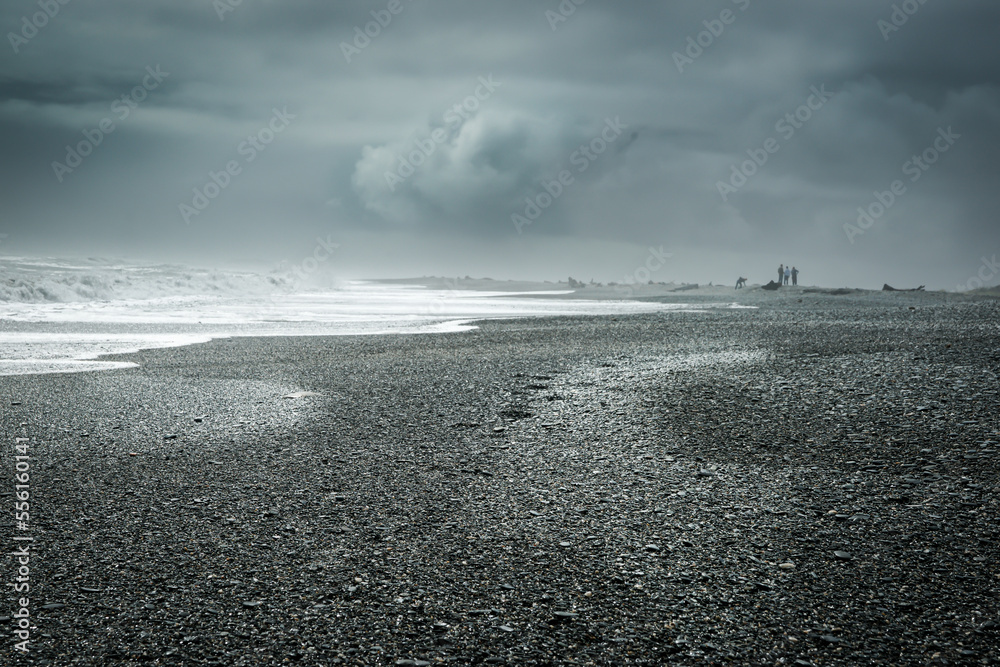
[26,280]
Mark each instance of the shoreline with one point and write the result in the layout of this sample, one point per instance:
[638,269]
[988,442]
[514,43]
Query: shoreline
[49,341]
[613,291]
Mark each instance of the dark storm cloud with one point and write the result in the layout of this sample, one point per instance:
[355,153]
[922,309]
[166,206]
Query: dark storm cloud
[690,112]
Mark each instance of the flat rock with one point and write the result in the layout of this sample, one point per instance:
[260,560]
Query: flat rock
[301,394]
[565,615]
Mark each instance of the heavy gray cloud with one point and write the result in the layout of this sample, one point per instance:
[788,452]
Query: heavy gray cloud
[687,121]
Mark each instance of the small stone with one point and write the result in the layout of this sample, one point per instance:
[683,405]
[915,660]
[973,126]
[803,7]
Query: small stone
[843,555]
[830,639]
[652,547]
[506,628]
[170,436]
[565,615]
[787,566]
[253,604]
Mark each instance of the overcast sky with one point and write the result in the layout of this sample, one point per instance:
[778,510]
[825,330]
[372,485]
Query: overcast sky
[648,111]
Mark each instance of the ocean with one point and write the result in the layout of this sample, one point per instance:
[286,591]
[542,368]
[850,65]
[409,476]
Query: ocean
[59,316]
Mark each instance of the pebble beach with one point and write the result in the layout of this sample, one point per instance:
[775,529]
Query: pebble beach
[811,481]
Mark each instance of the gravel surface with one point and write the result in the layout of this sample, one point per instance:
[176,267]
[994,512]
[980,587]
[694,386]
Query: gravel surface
[802,484]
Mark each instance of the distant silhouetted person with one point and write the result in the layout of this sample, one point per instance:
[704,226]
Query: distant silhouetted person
[795,276]
[741,283]
[781,272]
[788,274]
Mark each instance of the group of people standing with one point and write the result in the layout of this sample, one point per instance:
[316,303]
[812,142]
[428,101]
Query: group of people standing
[785,274]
